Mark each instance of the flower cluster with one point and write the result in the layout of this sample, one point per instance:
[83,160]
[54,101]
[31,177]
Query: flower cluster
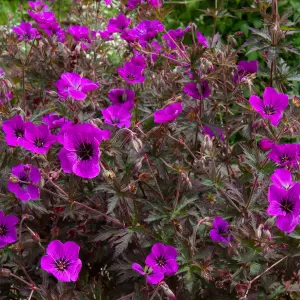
[160,262]
[46,20]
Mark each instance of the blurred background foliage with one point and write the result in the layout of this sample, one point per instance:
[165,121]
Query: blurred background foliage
[232,17]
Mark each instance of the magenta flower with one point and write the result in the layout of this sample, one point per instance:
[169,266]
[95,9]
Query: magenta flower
[26,32]
[81,35]
[197,91]
[2,74]
[131,73]
[163,259]
[117,115]
[53,30]
[138,61]
[152,276]
[38,6]
[132,4]
[23,182]
[14,131]
[8,232]
[81,152]
[38,139]
[282,178]
[168,114]
[284,154]
[213,131]
[74,86]
[272,106]
[220,232]
[155,3]
[201,39]
[146,30]
[265,144]
[62,261]
[118,24]
[122,96]
[285,205]
[244,68]
[53,120]
[175,35]
[44,18]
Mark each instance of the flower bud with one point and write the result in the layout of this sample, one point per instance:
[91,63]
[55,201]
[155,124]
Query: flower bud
[5,272]
[167,290]
[109,176]
[14,179]
[207,143]
[265,144]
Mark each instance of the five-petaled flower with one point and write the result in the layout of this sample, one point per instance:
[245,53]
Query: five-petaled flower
[14,129]
[146,30]
[118,24]
[81,152]
[168,114]
[74,86]
[8,232]
[284,154]
[62,260]
[272,106]
[285,205]
[197,91]
[23,182]
[26,32]
[38,139]
[117,115]
[122,96]
[81,35]
[132,73]
[220,232]
[163,259]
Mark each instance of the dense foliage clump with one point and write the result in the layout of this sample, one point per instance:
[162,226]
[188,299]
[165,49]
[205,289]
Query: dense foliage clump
[143,162]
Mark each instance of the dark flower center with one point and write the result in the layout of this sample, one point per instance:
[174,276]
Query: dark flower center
[19,132]
[287,205]
[61,264]
[115,120]
[3,230]
[130,76]
[23,178]
[85,151]
[269,110]
[284,158]
[39,142]
[161,261]
[222,231]
[122,98]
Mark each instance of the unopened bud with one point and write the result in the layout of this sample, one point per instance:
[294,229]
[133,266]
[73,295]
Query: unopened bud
[13,179]
[137,144]
[258,231]
[144,176]
[168,292]
[207,143]
[132,188]
[109,176]
[5,272]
